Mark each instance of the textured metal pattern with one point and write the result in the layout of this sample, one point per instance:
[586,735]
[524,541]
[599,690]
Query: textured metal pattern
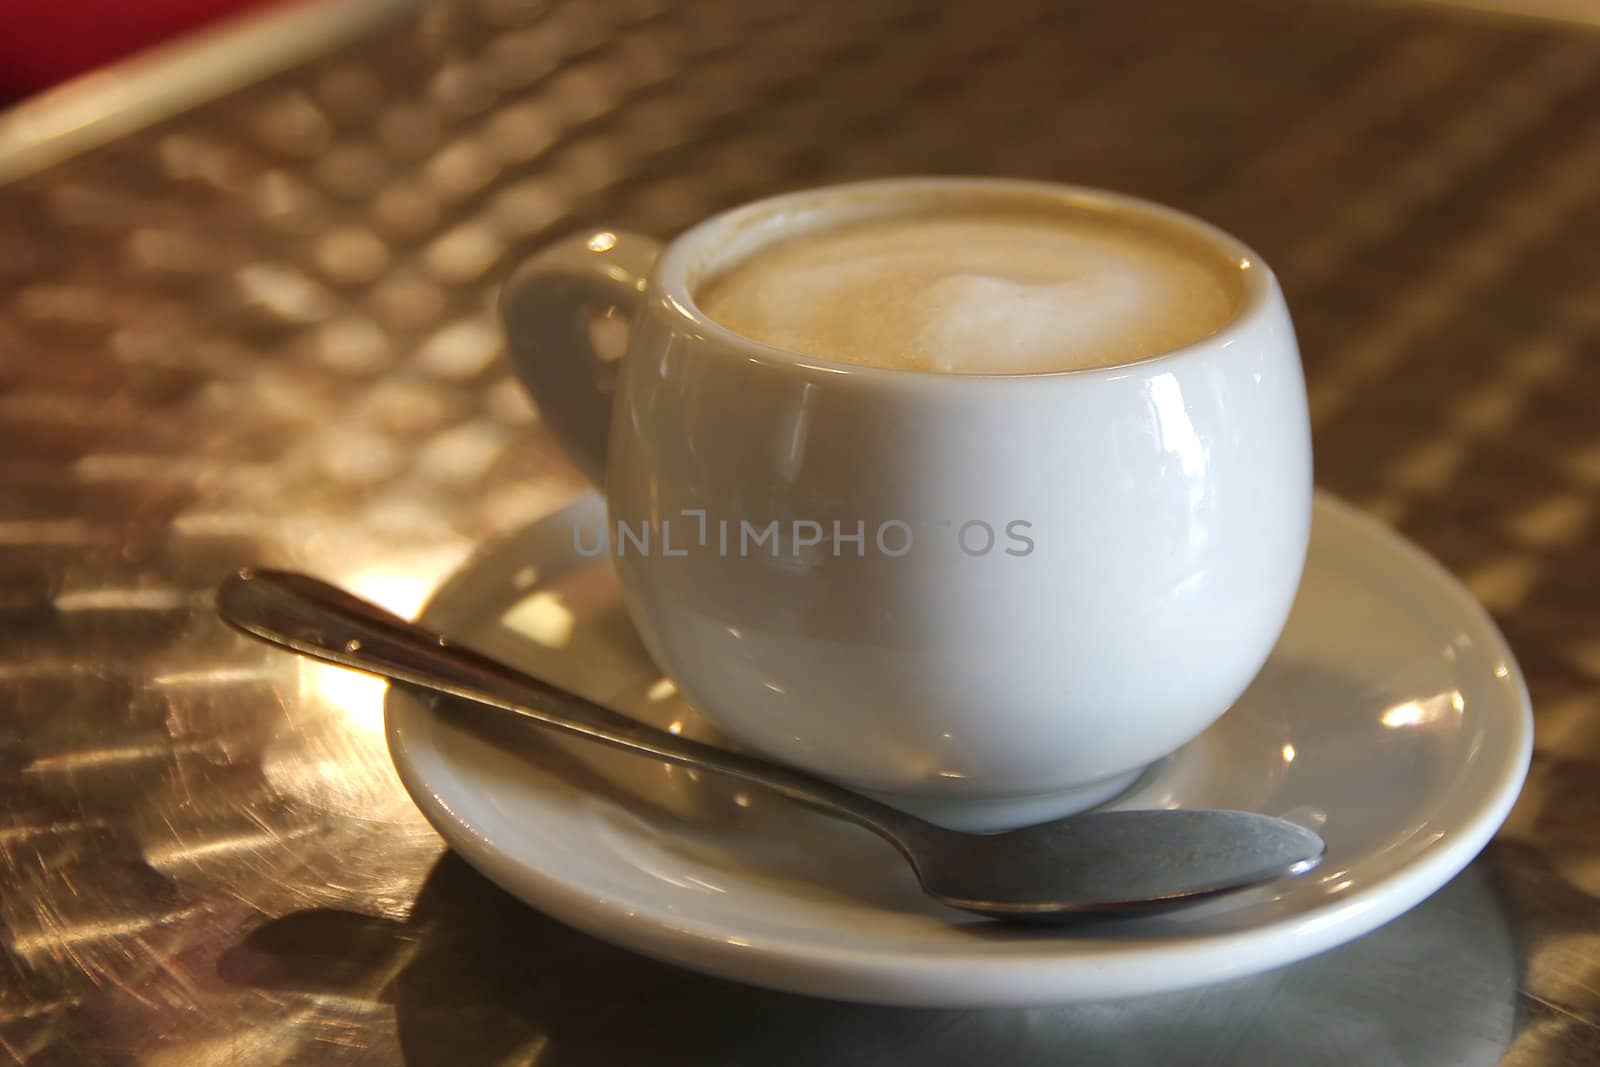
[261,332]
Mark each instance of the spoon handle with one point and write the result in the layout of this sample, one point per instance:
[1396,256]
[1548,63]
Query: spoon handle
[315,619]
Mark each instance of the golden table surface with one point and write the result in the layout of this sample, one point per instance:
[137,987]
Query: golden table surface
[245,316]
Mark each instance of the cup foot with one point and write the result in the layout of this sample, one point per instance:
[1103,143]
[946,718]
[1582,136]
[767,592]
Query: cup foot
[993,815]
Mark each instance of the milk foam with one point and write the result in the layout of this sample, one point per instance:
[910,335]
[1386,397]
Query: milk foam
[978,293]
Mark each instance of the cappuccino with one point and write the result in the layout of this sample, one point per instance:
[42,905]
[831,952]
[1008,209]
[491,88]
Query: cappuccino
[1007,291]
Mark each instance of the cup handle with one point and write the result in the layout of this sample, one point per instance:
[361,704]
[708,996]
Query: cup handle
[546,308]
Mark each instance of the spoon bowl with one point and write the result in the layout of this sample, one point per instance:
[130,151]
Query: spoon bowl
[1111,861]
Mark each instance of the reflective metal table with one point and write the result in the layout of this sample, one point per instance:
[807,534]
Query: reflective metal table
[245,316]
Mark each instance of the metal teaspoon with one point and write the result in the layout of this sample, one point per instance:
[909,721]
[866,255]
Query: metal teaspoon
[1098,862]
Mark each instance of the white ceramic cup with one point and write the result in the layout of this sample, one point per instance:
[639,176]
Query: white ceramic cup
[1165,504]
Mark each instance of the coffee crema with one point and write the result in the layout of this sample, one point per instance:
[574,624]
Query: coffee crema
[980,291]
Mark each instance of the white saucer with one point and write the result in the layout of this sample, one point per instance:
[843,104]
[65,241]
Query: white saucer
[1391,717]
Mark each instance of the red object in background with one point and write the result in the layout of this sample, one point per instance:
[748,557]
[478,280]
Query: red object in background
[46,41]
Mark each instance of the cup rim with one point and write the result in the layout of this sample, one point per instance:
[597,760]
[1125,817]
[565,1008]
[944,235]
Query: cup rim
[672,286]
